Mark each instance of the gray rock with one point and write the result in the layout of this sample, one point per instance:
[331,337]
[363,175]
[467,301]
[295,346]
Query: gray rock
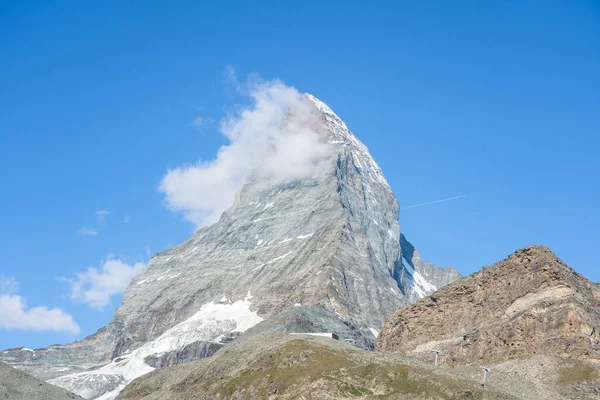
[17,385]
[321,253]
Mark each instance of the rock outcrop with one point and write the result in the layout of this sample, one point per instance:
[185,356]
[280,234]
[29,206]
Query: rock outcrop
[17,385]
[317,253]
[530,304]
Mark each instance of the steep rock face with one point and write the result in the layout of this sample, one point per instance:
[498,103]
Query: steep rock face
[532,303]
[315,254]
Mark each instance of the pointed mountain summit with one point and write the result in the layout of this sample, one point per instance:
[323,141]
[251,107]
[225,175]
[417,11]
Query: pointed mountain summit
[530,304]
[317,252]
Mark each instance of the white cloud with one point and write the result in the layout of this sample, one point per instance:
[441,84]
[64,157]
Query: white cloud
[95,287]
[85,231]
[102,214]
[271,139]
[15,315]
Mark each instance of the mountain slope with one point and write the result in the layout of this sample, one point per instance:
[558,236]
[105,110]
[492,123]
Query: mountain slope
[530,304]
[17,385]
[320,252]
[280,366]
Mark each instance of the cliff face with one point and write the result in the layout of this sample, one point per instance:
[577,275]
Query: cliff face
[532,303]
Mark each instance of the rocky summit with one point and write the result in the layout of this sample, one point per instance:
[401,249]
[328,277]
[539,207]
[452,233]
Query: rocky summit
[318,253]
[531,304]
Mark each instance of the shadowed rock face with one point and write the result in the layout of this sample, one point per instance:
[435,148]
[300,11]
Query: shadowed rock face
[319,253]
[17,385]
[532,303]
[417,277]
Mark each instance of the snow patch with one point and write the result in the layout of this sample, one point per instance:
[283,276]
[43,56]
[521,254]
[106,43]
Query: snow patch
[420,284]
[375,332]
[423,283]
[305,236]
[273,260]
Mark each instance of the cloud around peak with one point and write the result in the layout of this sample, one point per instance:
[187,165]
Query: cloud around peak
[270,139]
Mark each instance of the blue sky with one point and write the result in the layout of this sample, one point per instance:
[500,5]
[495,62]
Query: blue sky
[498,100]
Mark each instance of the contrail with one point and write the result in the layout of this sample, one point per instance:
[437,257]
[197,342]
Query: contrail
[434,202]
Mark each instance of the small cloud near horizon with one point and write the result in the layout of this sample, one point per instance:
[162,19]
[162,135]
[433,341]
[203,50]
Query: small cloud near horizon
[15,315]
[86,231]
[102,215]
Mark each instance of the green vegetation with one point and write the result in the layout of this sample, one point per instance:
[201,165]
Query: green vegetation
[576,372]
[299,368]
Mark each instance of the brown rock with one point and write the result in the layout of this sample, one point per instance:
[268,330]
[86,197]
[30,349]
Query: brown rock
[531,303]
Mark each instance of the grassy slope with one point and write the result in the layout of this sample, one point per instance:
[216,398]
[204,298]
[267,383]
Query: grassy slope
[281,366]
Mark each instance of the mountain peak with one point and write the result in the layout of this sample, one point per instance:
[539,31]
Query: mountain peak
[317,251]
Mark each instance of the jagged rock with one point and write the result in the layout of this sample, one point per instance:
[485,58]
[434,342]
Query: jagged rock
[530,304]
[17,385]
[318,253]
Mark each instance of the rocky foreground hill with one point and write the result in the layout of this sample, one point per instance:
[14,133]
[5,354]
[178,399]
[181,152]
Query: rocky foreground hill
[530,304]
[317,253]
[17,385]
